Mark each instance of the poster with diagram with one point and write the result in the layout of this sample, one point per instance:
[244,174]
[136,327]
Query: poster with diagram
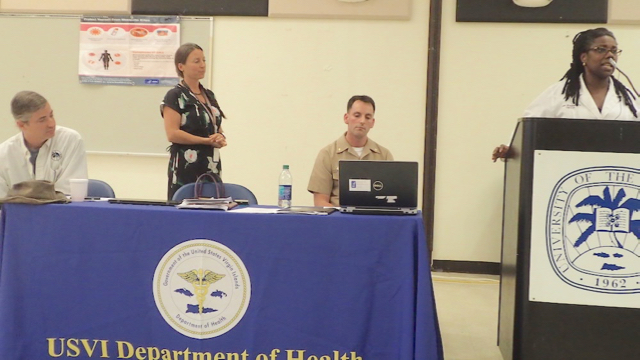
[128,50]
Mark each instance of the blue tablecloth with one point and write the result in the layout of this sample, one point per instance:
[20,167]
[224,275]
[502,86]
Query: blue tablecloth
[76,283]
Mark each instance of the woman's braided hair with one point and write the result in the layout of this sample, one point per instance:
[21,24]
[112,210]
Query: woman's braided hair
[582,43]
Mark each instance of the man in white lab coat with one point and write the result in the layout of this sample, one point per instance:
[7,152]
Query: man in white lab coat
[41,151]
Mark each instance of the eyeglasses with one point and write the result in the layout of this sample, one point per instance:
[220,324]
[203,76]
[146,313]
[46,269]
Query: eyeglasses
[603,50]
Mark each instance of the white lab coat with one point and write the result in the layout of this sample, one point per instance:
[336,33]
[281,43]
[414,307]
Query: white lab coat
[551,104]
[61,158]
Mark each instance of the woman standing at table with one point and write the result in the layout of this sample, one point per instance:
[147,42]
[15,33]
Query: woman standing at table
[589,90]
[192,122]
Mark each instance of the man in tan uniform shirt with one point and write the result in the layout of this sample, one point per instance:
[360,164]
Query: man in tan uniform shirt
[352,145]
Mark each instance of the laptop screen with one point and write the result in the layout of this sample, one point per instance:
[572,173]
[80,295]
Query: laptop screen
[384,184]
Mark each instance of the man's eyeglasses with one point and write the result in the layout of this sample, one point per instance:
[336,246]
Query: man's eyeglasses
[603,50]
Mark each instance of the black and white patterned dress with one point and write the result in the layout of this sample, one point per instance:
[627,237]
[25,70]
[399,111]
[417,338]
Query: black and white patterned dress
[187,162]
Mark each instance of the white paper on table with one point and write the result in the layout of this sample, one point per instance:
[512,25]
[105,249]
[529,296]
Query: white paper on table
[255,210]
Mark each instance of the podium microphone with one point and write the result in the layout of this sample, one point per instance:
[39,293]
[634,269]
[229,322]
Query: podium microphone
[615,65]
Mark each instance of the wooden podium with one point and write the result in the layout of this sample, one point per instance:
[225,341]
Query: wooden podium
[541,329]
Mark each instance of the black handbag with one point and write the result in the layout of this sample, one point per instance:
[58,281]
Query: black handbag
[209,177]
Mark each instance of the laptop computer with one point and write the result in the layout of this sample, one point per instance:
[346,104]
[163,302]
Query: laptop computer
[378,187]
[144,202]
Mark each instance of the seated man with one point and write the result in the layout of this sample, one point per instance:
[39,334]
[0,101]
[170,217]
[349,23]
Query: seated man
[352,145]
[41,151]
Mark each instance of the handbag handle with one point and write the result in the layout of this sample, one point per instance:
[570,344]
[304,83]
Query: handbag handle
[215,179]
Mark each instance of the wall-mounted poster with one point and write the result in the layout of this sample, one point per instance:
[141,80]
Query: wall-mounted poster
[344,9]
[66,6]
[200,7]
[128,50]
[624,12]
[555,11]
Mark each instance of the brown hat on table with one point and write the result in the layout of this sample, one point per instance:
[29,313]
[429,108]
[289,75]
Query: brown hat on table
[34,192]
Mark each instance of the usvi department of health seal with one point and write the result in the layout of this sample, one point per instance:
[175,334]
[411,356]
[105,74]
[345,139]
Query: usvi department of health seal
[201,288]
[593,229]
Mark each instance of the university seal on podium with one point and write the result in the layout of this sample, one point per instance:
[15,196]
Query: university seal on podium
[593,229]
[201,288]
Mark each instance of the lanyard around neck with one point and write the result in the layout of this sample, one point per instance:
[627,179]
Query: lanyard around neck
[206,105]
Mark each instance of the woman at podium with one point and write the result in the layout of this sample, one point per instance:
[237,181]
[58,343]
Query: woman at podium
[587,90]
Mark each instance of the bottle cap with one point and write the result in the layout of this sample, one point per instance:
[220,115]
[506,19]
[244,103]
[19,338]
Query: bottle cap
[285,167]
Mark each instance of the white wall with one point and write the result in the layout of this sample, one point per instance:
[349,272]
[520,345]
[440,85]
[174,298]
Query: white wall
[490,72]
[140,177]
[284,85]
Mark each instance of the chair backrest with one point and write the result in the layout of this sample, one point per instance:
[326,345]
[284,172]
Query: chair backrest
[237,192]
[240,192]
[99,188]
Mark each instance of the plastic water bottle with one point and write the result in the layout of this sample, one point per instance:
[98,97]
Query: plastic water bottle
[284,188]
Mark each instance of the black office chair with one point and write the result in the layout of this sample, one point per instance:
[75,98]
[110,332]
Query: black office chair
[235,191]
[99,188]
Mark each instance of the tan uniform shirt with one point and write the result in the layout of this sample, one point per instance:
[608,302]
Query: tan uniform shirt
[324,176]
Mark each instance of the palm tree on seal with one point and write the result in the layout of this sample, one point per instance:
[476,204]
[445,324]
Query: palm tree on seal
[613,218]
